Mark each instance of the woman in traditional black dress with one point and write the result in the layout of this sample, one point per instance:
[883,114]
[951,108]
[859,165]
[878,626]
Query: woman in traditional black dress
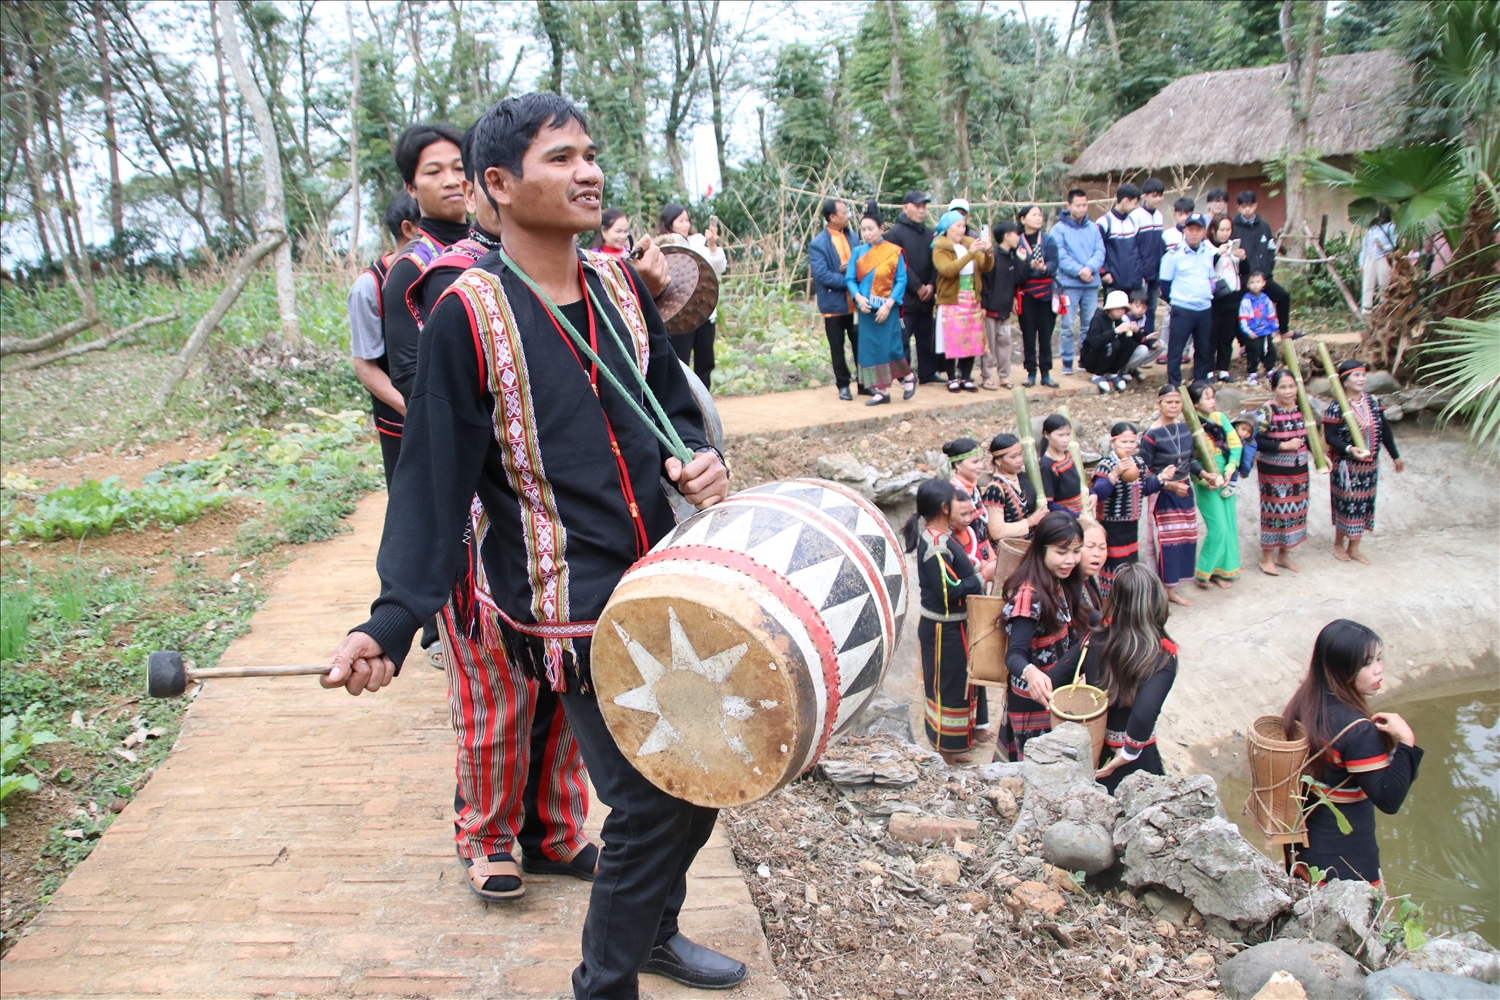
[946,578]
[1135,660]
[1281,468]
[1062,480]
[1010,499]
[1358,761]
[1121,484]
[1042,598]
[1356,471]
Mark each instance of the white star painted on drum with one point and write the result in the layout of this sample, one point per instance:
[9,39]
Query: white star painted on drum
[716,669]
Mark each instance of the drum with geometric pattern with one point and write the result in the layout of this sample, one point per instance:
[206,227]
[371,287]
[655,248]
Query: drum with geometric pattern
[755,632]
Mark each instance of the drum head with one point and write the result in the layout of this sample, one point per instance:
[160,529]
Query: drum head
[693,294]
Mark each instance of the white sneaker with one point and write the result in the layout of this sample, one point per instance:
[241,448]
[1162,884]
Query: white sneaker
[1122,383]
[1102,383]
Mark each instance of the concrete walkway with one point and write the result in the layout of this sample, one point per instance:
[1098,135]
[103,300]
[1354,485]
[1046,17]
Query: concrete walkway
[298,842]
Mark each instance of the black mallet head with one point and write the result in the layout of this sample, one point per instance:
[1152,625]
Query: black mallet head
[166,677]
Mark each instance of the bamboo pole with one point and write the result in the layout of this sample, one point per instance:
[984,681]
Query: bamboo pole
[1311,423]
[1336,386]
[1028,441]
[1086,496]
[1207,453]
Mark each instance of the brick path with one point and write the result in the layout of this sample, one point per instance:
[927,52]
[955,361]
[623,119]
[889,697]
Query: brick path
[299,843]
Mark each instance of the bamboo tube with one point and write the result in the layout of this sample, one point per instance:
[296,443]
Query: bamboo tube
[1312,424]
[1336,386]
[1086,496]
[1028,440]
[1207,453]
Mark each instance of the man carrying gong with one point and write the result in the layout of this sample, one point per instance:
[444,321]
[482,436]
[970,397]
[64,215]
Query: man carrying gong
[546,384]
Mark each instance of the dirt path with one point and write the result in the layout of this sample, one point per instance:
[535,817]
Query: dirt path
[298,843]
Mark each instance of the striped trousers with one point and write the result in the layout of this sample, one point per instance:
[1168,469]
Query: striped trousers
[520,776]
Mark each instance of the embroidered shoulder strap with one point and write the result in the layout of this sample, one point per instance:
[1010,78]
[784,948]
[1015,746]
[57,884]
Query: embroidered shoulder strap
[460,255]
[421,251]
[621,292]
[515,428]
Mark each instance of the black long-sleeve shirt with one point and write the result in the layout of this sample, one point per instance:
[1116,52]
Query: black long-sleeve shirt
[401,327]
[1132,727]
[915,241]
[1336,430]
[550,476]
[946,577]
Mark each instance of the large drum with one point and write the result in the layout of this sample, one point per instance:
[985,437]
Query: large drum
[730,655]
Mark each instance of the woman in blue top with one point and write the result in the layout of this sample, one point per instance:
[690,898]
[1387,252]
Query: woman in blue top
[876,278]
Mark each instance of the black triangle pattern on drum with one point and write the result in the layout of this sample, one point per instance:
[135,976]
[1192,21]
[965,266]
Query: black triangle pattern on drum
[810,495]
[876,545]
[723,518]
[812,548]
[766,523]
[866,627]
[849,584]
[869,675]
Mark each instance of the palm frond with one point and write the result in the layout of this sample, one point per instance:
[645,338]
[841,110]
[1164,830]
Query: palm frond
[1427,184]
[1467,364]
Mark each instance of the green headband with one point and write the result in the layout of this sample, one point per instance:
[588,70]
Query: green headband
[953,460]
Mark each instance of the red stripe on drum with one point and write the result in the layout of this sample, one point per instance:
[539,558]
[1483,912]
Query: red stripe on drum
[793,598]
[850,542]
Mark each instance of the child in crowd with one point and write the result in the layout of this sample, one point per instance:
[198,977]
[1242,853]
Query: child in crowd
[1244,426]
[1061,482]
[1258,324]
[1148,346]
[1109,342]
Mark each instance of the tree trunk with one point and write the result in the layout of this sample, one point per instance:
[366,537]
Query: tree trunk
[554,22]
[353,136]
[37,361]
[895,97]
[685,52]
[713,61]
[1109,27]
[1302,71]
[226,186]
[111,142]
[238,278]
[270,160]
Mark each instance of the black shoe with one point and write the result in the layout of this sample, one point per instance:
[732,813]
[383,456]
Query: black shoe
[1030,381]
[876,398]
[581,866]
[1047,381]
[694,965]
[908,389]
[845,394]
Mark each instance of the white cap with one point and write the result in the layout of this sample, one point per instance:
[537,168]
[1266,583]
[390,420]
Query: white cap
[959,205]
[1117,300]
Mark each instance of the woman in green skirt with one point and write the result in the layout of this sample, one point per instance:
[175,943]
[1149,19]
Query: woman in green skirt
[1219,553]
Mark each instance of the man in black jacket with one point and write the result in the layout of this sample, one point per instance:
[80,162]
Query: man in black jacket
[911,233]
[504,407]
[1259,244]
[998,298]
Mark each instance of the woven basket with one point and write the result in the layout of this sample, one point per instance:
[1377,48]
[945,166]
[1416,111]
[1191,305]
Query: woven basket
[1008,555]
[1086,705]
[1276,763]
[986,641]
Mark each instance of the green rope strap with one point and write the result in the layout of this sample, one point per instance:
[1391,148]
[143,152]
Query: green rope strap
[661,426]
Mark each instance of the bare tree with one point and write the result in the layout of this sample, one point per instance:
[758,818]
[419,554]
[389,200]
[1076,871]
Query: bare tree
[1302,58]
[111,141]
[353,134]
[683,84]
[274,211]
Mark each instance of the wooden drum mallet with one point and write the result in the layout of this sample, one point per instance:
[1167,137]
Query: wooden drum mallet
[167,676]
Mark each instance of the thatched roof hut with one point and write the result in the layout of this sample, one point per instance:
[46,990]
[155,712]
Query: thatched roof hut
[1219,127]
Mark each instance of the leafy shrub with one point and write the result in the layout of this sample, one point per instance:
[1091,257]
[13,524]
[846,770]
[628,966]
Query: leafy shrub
[1318,287]
[97,508]
[770,340]
[15,622]
[18,734]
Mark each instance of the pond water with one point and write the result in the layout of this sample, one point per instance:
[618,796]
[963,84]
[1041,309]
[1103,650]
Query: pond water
[1443,847]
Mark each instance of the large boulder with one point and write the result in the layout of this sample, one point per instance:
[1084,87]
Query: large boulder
[1419,984]
[1381,383]
[1173,833]
[1465,954]
[1323,970]
[1058,772]
[1343,913]
[845,469]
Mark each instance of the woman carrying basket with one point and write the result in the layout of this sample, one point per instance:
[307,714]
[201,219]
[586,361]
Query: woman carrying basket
[1040,601]
[946,578]
[1135,660]
[1358,761]
[1010,500]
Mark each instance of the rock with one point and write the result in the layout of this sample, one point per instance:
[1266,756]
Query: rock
[1323,970]
[1084,847]
[1381,383]
[1230,401]
[1036,896]
[1003,801]
[1418,984]
[911,829]
[1000,770]
[940,869]
[1016,786]
[878,768]
[1343,914]
[955,942]
[842,468]
[1173,834]
[1059,784]
[894,489]
[870,867]
[1164,904]
[1060,879]
[882,707]
[1465,954]
[899,728]
[1200,995]
[977,901]
[1318,386]
[1199,961]
[1089,457]
[1395,414]
[937,462]
[1282,986]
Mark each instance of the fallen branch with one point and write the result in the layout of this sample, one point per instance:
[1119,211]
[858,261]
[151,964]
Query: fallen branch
[94,345]
[10,345]
[1337,280]
[238,278]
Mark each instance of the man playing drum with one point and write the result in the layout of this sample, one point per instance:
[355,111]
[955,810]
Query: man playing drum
[501,407]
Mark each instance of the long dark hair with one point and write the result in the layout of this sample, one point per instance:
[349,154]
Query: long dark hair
[1137,612]
[1340,652]
[932,496]
[1054,422]
[669,214]
[607,218]
[1057,528]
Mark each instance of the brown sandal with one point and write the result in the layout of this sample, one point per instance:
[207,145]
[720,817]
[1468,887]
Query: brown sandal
[504,871]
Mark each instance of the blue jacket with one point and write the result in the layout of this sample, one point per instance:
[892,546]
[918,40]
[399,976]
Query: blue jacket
[1079,246]
[1122,253]
[1191,273]
[828,273]
[1149,241]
